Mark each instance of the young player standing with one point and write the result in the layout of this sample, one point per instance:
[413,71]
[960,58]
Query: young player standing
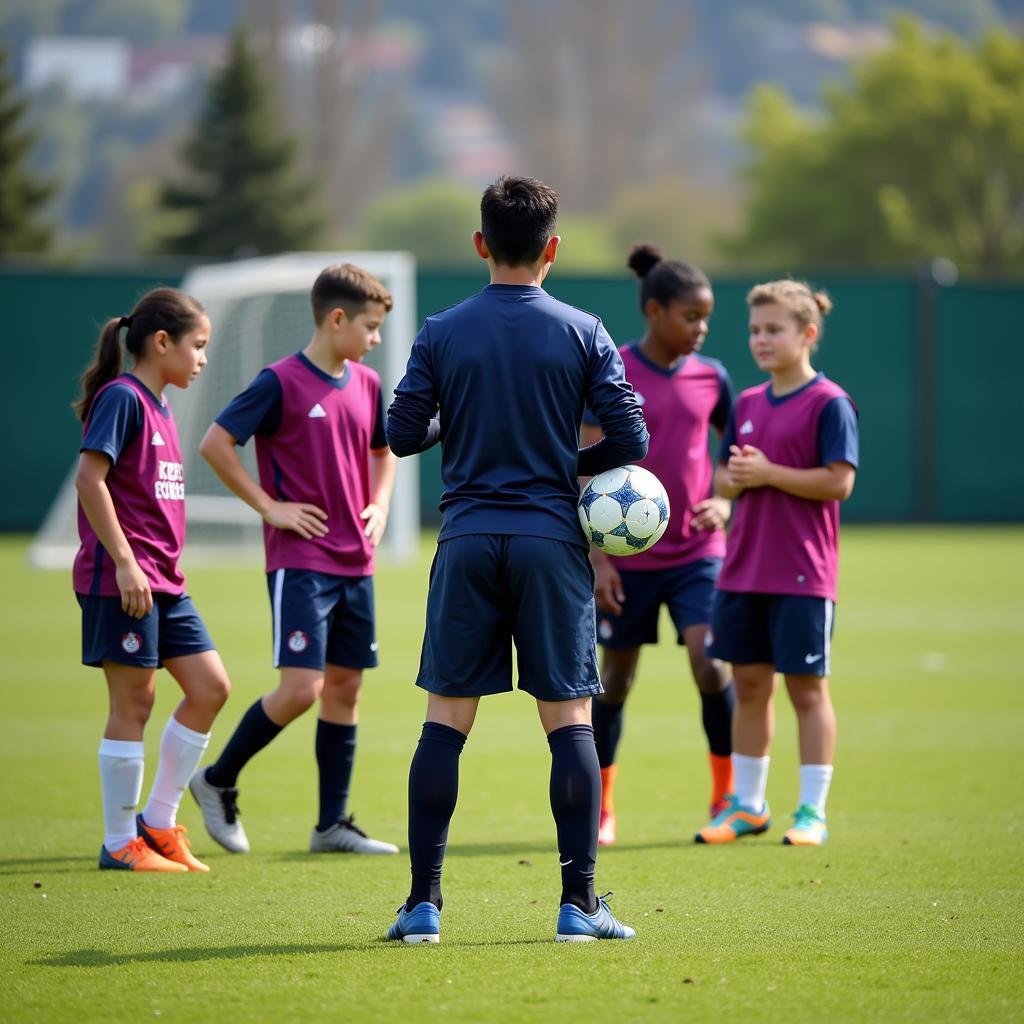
[325,482]
[788,458]
[683,395]
[511,370]
[136,615]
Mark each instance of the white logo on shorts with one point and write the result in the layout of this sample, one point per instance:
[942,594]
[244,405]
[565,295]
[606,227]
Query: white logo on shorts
[373,646]
[810,659]
[605,630]
[297,641]
[709,638]
[131,643]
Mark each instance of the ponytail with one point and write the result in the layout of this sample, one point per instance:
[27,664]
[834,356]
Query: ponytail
[660,279]
[105,366]
[162,309]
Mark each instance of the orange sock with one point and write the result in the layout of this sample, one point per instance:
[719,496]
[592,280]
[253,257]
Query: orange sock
[607,785]
[721,777]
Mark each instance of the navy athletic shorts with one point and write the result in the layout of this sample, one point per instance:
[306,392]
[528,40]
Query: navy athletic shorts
[687,590]
[320,619]
[488,591]
[173,629]
[791,632]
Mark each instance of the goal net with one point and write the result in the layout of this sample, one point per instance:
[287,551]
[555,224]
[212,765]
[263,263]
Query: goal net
[260,312]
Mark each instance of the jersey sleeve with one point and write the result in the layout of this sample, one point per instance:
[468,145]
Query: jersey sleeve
[614,404]
[728,438]
[257,410]
[115,420]
[838,433]
[379,438]
[412,423]
[723,408]
[590,418]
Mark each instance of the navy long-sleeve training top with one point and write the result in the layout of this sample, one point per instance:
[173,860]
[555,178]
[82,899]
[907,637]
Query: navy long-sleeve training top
[501,380]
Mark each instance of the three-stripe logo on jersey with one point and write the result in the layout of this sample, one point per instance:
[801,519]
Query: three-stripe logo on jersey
[747,428]
[157,439]
[317,412]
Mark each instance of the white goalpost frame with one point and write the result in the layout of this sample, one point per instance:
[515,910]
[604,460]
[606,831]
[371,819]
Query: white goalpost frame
[259,283]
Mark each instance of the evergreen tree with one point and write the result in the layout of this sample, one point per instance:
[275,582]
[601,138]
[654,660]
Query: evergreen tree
[241,193]
[22,194]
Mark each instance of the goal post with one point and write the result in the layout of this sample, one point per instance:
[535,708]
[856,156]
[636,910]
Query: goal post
[260,312]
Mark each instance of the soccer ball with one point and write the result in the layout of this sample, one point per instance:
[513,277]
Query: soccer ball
[624,511]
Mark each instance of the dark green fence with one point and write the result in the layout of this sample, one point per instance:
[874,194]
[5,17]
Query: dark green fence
[934,372]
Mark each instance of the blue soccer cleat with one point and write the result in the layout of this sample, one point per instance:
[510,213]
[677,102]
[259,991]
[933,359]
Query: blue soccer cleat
[575,926]
[421,924]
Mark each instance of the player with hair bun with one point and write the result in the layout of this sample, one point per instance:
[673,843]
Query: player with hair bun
[684,394]
[788,458]
[136,615]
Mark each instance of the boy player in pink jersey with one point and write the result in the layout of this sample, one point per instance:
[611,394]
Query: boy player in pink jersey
[788,458]
[325,482]
[684,394]
[136,616]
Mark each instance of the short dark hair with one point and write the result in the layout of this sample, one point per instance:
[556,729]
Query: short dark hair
[663,280]
[349,287]
[517,217]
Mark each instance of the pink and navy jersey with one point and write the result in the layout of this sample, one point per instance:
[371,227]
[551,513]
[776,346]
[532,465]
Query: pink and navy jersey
[128,423]
[314,433]
[680,405]
[779,543]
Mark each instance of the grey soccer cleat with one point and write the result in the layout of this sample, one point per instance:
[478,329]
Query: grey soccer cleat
[347,837]
[220,813]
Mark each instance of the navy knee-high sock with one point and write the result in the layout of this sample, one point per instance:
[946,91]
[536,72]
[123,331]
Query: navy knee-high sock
[716,713]
[252,734]
[335,752]
[433,791]
[607,719]
[576,806]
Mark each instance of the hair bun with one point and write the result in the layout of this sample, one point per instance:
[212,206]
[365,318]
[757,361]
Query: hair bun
[823,302]
[642,257]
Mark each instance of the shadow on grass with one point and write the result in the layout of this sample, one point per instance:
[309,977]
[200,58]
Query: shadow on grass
[34,865]
[101,958]
[507,849]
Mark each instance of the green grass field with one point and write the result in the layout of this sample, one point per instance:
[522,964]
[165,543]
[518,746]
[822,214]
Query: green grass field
[914,910]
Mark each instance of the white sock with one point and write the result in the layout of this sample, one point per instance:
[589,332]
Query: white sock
[181,750]
[814,782]
[121,766]
[751,780]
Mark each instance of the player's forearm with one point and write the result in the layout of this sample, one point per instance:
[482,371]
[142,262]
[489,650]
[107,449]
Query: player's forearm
[724,486]
[98,507]
[383,469]
[411,429]
[218,448]
[611,452]
[821,483]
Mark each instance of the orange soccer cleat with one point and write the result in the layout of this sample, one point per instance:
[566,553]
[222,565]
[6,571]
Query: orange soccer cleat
[137,856]
[734,821]
[171,843]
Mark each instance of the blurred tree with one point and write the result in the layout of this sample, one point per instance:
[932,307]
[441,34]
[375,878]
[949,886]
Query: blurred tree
[922,155]
[240,193]
[591,92]
[433,219]
[22,194]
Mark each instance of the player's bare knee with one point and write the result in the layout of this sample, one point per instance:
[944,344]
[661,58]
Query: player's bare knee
[710,674]
[617,685]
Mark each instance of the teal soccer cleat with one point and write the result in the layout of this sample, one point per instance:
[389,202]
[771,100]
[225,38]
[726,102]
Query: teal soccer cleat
[575,926]
[419,925]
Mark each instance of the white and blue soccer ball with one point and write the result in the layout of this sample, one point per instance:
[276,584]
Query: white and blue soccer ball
[624,511]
